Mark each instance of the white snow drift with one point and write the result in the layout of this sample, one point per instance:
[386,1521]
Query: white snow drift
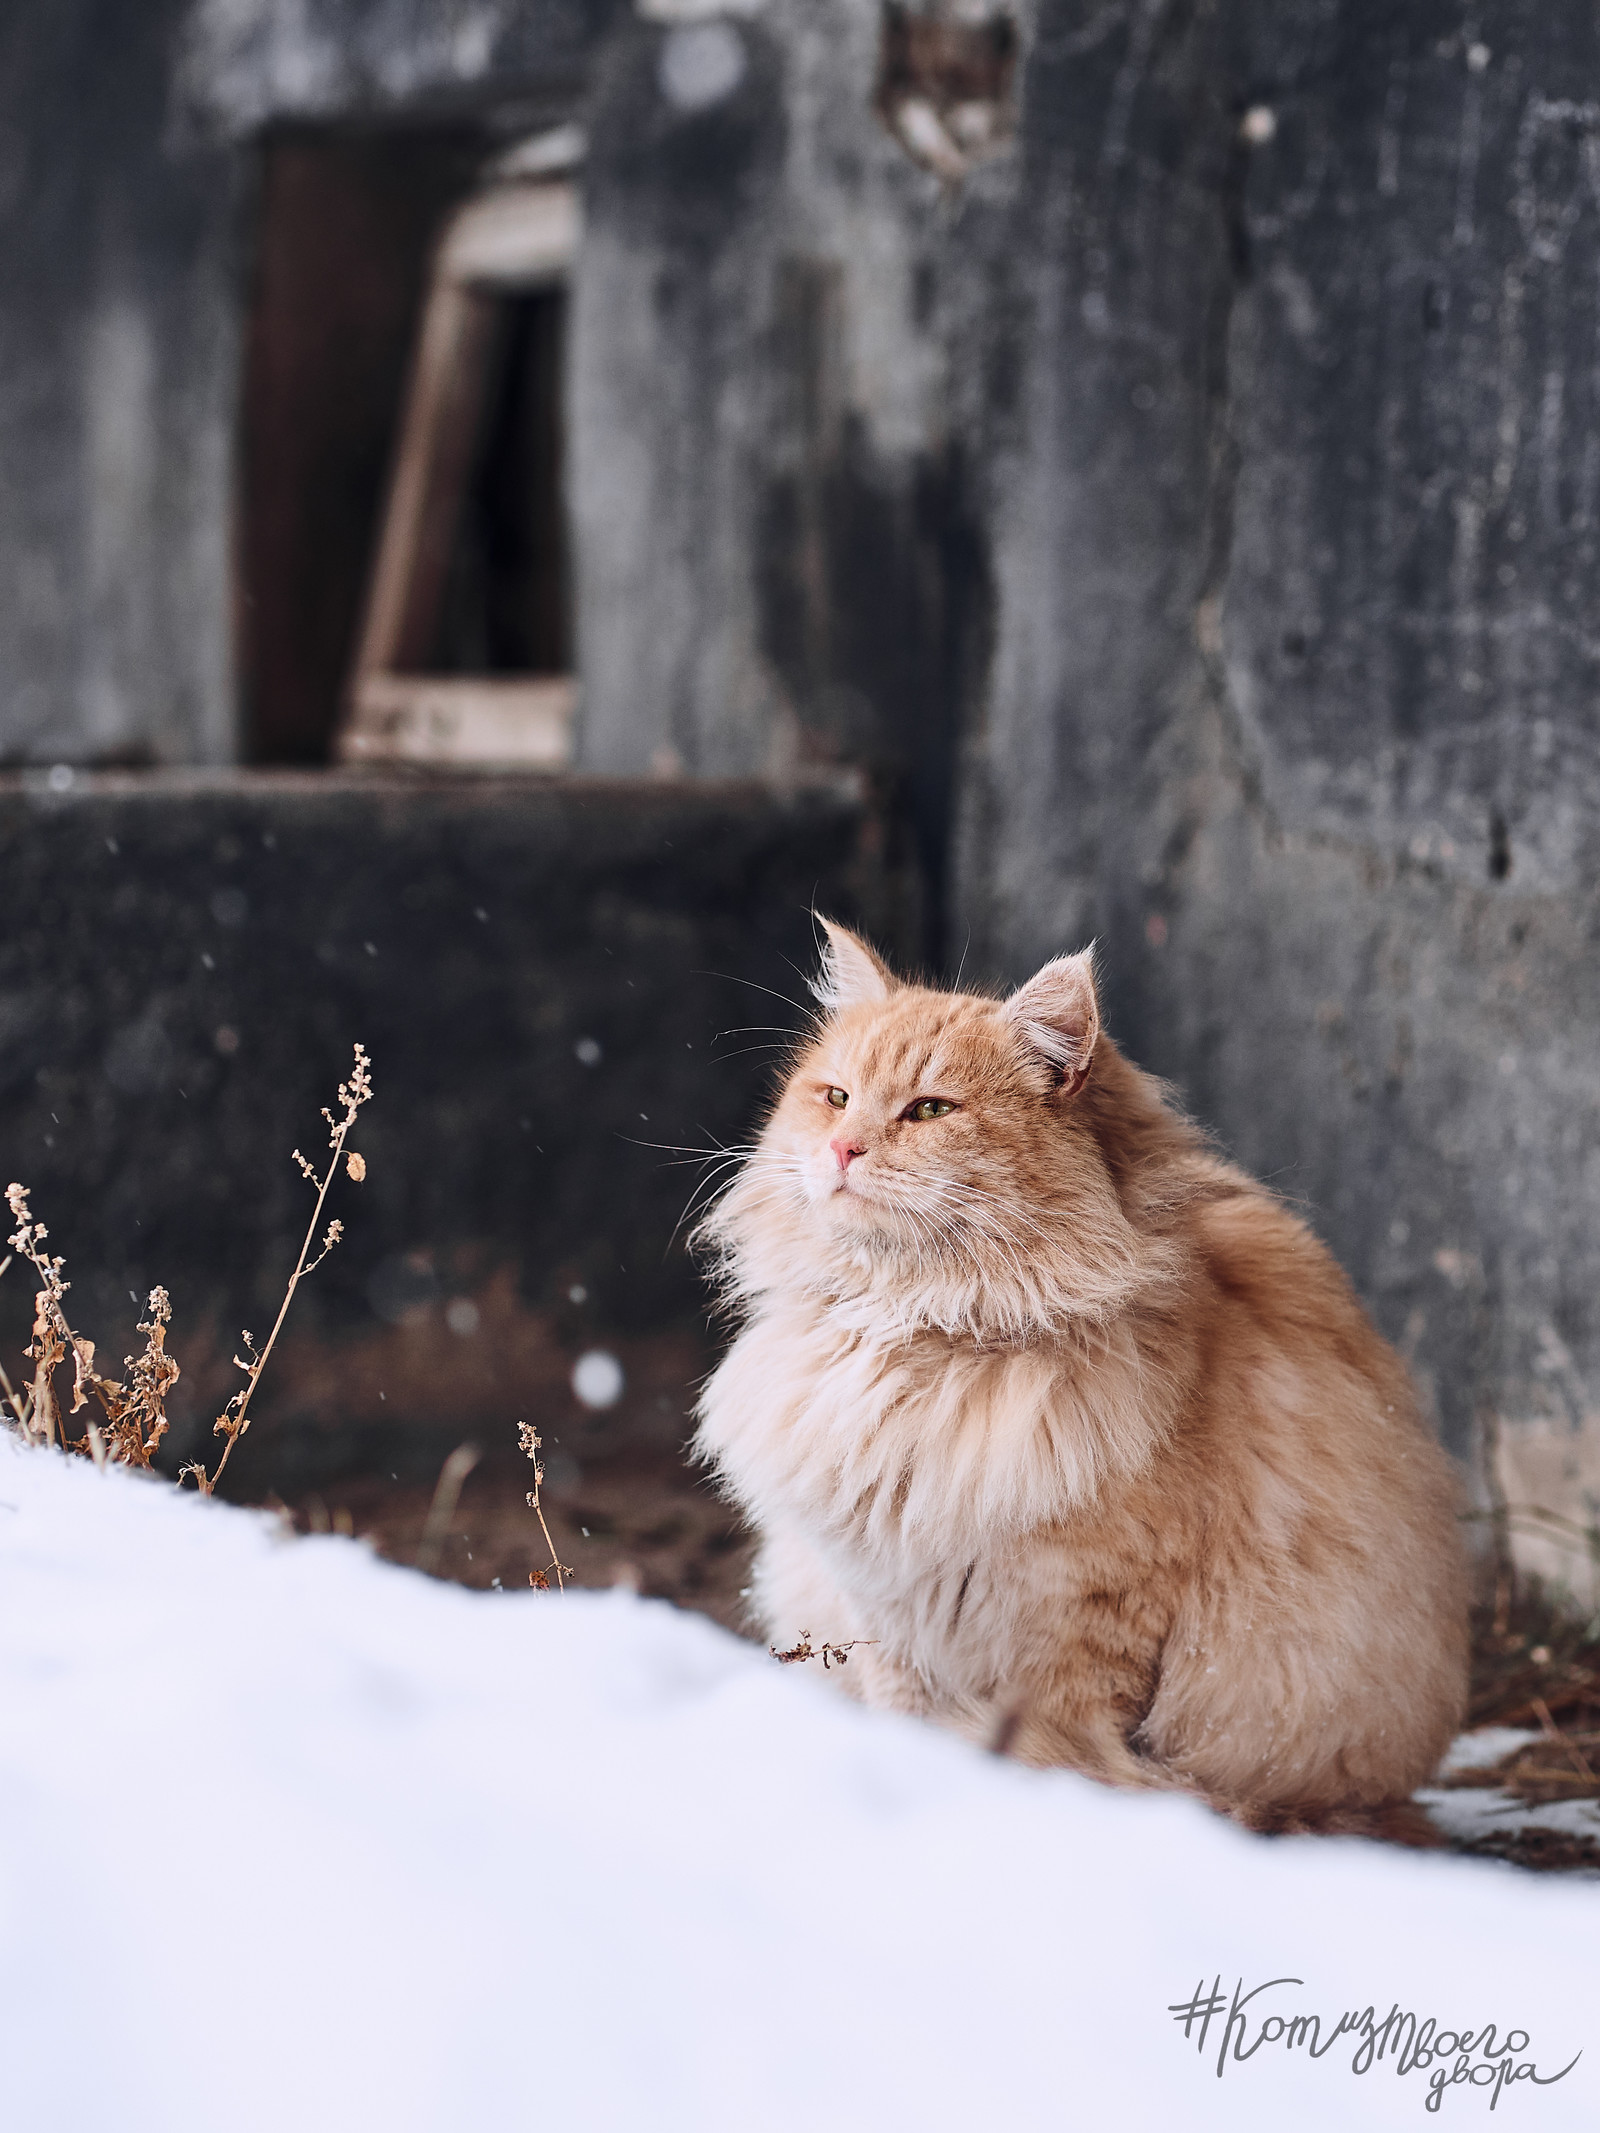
[294,1839]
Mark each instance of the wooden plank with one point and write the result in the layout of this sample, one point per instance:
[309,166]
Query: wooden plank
[516,722]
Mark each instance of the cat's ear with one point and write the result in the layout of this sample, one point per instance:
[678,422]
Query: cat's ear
[850,974]
[1058,1013]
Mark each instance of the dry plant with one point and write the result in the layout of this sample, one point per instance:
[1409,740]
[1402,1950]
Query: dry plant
[530,1441]
[829,1654]
[135,1407]
[234,1419]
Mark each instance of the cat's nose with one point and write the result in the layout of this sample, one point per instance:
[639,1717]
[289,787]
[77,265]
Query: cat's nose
[845,1152]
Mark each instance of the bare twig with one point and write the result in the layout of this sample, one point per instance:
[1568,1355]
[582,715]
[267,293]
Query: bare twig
[52,1336]
[235,1417]
[530,1441]
[10,1397]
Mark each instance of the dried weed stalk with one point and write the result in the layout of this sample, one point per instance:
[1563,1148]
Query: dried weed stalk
[830,1654]
[135,1407]
[234,1419]
[530,1441]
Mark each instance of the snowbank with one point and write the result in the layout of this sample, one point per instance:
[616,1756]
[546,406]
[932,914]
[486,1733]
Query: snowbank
[293,1839]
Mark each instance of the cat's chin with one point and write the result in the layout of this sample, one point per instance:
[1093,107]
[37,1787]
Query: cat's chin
[869,1229]
[851,1208]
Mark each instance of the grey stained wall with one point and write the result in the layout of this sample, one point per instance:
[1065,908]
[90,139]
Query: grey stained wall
[116,350]
[1190,517]
[1195,511]
[1294,703]
[127,169]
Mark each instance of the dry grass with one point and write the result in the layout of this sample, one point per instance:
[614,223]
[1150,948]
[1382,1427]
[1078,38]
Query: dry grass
[135,1407]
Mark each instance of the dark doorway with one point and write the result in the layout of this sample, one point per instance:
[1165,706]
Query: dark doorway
[346,226]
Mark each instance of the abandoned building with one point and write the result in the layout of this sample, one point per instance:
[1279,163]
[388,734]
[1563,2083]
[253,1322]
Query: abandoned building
[506,501]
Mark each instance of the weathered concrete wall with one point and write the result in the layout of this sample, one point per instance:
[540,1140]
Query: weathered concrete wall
[118,338]
[127,165]
[550,979]
[239,65]
[1294,702]
[778,558]
[1195,510]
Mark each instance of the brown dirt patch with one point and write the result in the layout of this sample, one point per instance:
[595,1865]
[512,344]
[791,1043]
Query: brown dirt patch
[641,1518]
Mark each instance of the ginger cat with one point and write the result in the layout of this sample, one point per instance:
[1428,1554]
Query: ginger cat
[1079,1424]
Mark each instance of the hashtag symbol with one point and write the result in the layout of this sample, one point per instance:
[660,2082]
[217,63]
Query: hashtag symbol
[1199,2009]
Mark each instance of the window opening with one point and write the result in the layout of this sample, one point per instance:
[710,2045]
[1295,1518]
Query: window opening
[465,652]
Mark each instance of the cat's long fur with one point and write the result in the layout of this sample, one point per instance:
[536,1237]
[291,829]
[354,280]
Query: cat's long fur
[1079,1424]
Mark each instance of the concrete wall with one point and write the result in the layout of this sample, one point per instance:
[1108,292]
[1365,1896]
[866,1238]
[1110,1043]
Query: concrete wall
[563,989]
[1195,511]
[1294,705]
[118,338]
[127,180]
[777,541]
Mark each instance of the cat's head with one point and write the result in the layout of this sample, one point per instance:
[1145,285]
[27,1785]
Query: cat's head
[938,1153]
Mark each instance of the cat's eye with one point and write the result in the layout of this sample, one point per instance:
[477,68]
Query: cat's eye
[930,1107]
[838,1098]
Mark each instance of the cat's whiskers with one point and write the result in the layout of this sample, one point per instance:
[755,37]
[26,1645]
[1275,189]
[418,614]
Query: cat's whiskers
[746,1160]
[701,1197]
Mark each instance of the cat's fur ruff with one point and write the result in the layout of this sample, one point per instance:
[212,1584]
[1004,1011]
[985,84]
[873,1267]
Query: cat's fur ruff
[1080,1425]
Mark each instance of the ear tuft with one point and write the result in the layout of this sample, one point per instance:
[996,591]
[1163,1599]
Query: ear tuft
[850,975]
[1058,1013]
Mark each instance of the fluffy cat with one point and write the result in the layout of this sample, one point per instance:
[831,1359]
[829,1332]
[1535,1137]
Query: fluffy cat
[1072,1419]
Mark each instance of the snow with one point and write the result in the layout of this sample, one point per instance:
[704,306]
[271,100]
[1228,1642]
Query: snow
[1485,1746]
[295,1838]
[1485,1811]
